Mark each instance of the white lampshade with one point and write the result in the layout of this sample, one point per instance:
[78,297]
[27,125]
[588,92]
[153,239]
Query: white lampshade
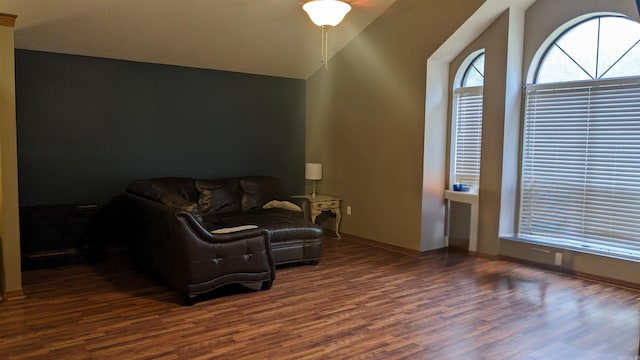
[326,12]
[313,171]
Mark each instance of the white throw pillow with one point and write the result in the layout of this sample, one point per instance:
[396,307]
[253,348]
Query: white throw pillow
[287,205]
[233,229]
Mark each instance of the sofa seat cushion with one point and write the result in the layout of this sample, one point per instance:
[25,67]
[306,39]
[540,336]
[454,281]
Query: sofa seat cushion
[284,225]
[282,232]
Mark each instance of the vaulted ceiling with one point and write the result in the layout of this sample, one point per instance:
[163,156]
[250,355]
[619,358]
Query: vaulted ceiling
[268,37]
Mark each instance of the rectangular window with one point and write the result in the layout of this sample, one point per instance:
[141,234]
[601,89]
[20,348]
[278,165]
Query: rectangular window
[580,184]
[467,137]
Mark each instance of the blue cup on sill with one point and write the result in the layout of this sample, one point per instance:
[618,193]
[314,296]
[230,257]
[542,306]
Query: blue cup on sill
[460,187]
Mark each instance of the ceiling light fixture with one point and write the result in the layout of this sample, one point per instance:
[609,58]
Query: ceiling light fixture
[326,13]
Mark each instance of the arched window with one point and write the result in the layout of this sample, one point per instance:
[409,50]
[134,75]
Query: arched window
[580,181]
[602,47]
[467,121]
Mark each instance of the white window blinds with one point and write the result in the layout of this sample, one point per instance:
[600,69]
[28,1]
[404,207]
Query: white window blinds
[468,135]
[581,167]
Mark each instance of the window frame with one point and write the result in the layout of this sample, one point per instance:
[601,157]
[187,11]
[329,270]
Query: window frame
[460,90]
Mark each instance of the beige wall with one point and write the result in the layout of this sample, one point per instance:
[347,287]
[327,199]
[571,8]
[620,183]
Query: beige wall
[494,40]
[503,44]
[9,222]
[366,120]
[366,116]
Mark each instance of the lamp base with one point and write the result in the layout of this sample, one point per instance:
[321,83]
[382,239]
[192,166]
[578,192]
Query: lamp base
[313,189]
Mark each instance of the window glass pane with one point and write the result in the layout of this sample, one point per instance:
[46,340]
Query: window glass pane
[617,36]
[474,75]
[473,78]
[629,65]
[558,67]
[467,136]
[581,44]
[478,63]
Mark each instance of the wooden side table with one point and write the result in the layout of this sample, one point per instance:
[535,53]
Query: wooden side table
[321,203]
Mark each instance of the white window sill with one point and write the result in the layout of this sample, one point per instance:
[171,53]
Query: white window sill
[467,197]
[613,254]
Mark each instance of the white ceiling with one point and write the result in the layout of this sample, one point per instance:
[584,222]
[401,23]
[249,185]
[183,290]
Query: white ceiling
[269,37]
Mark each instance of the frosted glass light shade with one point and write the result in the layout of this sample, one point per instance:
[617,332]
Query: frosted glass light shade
[313,171]
[326,12]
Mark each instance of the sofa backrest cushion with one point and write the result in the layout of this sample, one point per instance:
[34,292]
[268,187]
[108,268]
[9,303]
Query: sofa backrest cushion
[259,190]
[179,193]
[167,189]
[218,196]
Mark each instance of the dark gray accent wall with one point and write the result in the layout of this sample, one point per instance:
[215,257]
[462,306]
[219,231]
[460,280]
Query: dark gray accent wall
[88,126]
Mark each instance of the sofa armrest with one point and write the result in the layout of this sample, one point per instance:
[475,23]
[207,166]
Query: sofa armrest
[240,252]
[173,246]
[304,204]
[204,235]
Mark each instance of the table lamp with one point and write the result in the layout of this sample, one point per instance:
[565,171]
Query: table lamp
[313,172]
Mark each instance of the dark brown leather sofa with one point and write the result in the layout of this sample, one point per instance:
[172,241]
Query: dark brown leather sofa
[169,222]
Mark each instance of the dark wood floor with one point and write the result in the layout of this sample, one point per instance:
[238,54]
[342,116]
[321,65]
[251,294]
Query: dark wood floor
[360,302]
